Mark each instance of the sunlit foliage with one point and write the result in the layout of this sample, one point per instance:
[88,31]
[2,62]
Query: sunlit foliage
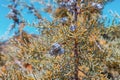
[89,50]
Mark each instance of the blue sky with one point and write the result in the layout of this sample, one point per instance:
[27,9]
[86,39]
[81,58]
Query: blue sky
[5,22]
[114,7]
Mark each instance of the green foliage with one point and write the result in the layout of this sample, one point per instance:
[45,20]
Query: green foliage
[91,51]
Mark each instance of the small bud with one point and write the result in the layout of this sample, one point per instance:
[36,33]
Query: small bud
[11,14]
[99,6]
[72,27]
[63,20]
[73,2]
[93,4]
[61,51]
[68,4]
[15,11]
[62,4]
[56,46]
[56,49]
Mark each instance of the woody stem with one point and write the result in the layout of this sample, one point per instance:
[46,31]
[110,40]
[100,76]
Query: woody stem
[76,60]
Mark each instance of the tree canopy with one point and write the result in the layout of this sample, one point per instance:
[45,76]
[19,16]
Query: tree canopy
[75,45]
